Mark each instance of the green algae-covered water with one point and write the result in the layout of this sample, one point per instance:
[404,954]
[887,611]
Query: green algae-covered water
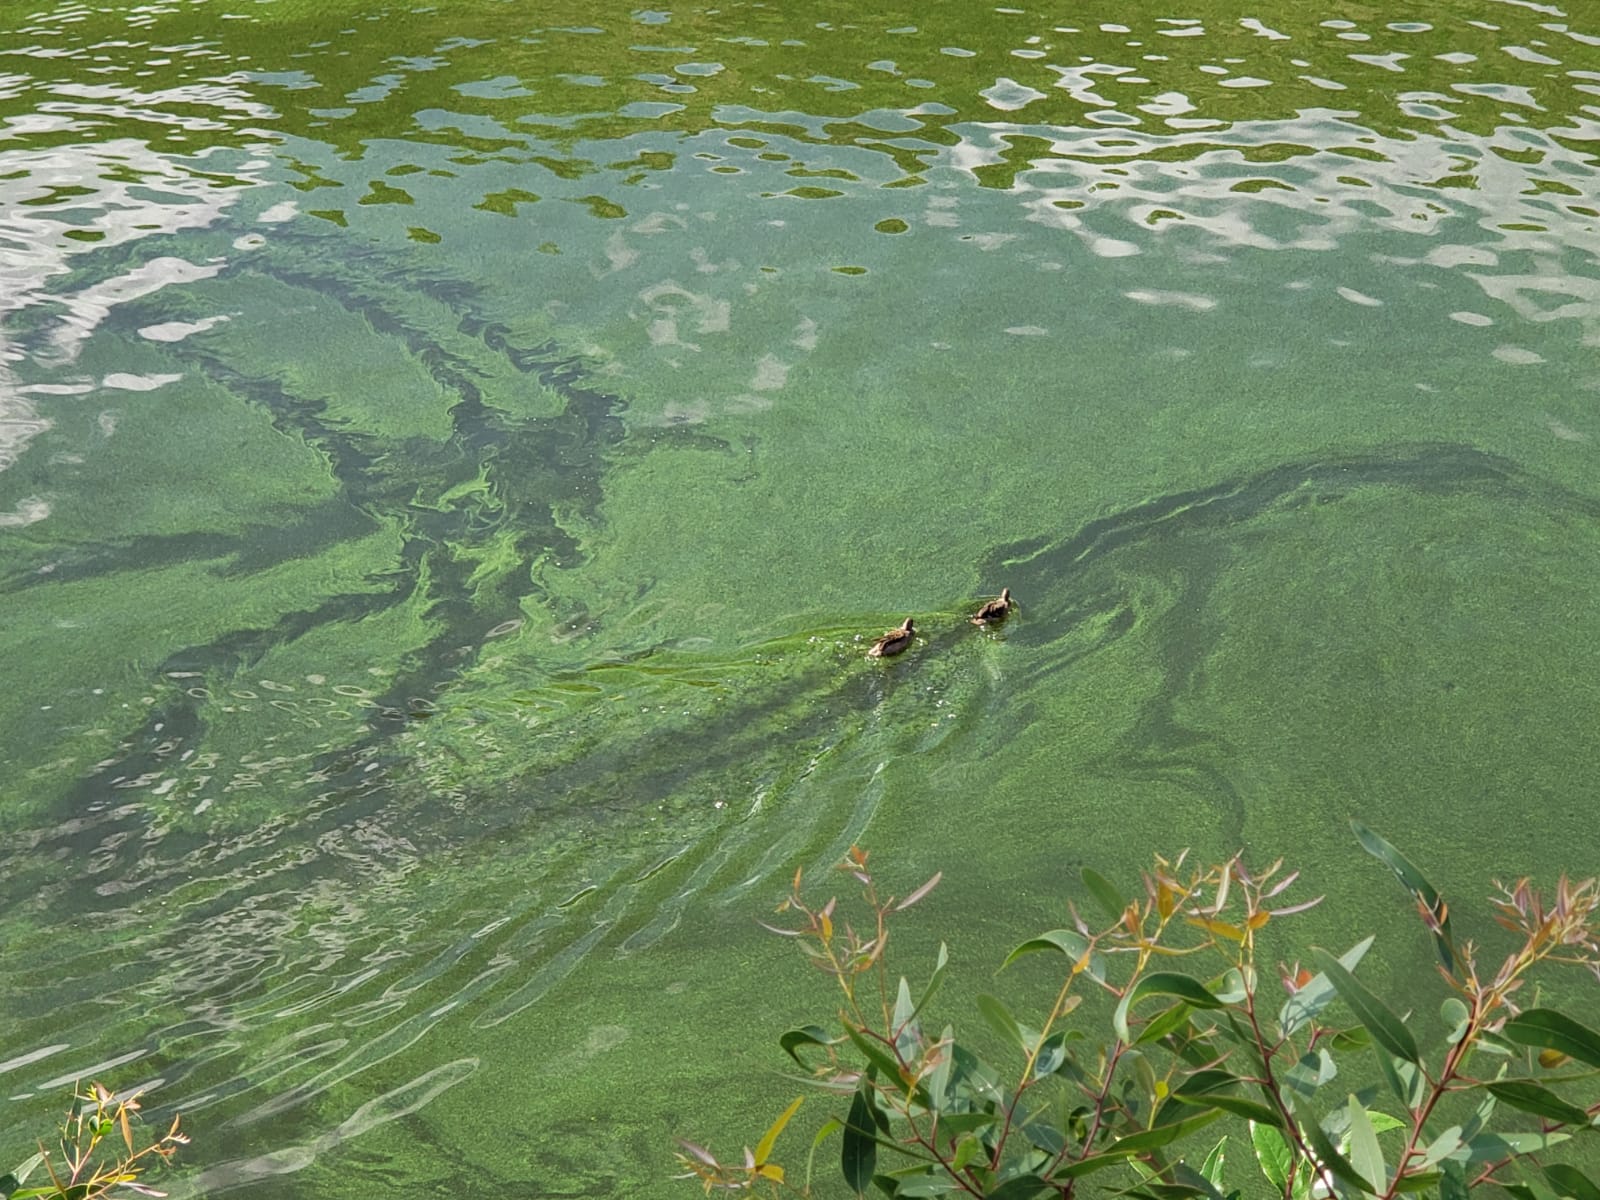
[455,459]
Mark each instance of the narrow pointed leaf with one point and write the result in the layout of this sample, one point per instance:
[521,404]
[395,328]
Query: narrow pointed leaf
[1069,942]
[1162,983]
[764,1146]
[1453,1182]
[1570,1181]
[1547,1029]
[1328,1155]
[1443,1146]
[875,1054]
[1021,1187]
[1419,887]
[1138,1143]
[1308,1003]
[1216,1162]
[1001,1020]
[1387,1029]
[809,1035]
[859,1156]
[1272,1154]
[934,980]
[926,1185]
[1104,893]
[1533,1098]
[1366,1156]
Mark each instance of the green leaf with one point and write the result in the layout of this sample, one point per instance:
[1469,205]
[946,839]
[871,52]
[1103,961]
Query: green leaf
[1419,887]
[1455,1015]
[830,1126]
[1053,1054]
[806,1035]
[1453,1182]
[1366,1156]
[1534,1098]
[957,1123]
[1272,1154]
[1308,1003]
[1020,1187]
[1328,1155]
[1213,1088]
[1443,1146]
[1162,983]
[859,1157]
[1138,1143]
[1387,1029]
[934,980]
[875,1054]
[1239,1106]
[1417,1181]
[939,1077]
[764,1146]
[1487,1147]
[1001,1020]
[927,1185]
[968,1148]
[1570,1181]
[1069,942]
[1405,1079]
[1382,1122]
[1105,893]
[1547,1029]
[1314,1069]
[1215,1161]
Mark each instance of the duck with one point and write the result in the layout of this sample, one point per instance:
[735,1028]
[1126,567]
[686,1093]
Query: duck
[995,610]
[893,642]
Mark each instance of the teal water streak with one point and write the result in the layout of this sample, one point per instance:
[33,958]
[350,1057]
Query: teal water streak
[455,461]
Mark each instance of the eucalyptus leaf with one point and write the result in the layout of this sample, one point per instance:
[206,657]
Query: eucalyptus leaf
[1366,1156]
[859,1155]
[1215,1162]
[806,1035]
[1329,1157]
[1419,887]
[1387,1029]
[1105,893]
[1067,941]
[1534,1098]
[1020,1187]
[1547,1029]
[1272,1155]
[1161,983]
[1570,1181]
[1307,1003]
[1001,1021]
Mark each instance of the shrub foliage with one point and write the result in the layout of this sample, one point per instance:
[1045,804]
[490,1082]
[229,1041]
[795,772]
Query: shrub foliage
[1314,1080]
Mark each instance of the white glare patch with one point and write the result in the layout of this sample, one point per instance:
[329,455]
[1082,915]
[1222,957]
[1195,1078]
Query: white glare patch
[1173,299]
[1028,331]
[284,211]
[1361,298]
[25,513]
[137,383]
[176,331]
[1008,95]
[1105,247]
[1517,356]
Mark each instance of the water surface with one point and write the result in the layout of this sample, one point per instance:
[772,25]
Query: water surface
[455,459]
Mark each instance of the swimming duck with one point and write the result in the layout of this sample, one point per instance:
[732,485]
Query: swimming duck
[893,642]
[995,610]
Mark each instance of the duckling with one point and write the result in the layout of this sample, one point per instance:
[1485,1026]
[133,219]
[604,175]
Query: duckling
[995,610]
[893,642]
